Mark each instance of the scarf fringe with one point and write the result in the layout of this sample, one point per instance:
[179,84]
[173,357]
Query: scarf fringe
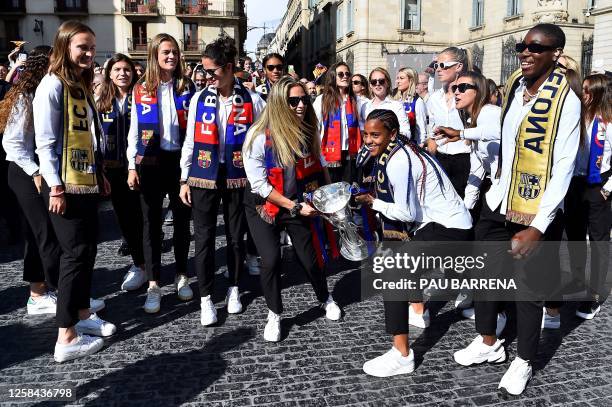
[81,189]
[334,164]
[395,235]
[519,217]
[265,216]
[201,183]
[236,183]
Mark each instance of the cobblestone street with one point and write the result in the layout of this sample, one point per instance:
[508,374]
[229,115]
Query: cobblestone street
[169,359]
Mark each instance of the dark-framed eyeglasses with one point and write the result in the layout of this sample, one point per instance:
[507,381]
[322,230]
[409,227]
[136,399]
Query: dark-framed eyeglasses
[275,67]
[211,72]
[294,101]
[378,82]
[534,48]
[342,74]
[357,83]
[463,87]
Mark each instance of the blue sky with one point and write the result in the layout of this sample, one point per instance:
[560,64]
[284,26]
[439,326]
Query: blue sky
[259,12]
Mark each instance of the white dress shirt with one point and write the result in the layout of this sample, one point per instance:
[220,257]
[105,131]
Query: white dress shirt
[563,159]
[436,205]
[170,135]
[582,162]
[224,110]
[318,108]
[441,115]
[18,139]
[48,126]
[389,104]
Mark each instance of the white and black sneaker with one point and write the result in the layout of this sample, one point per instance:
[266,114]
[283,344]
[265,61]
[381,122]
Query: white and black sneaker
[516,377]
[391,363]
[478,352]
[43,304]
[82,345]
[588,310]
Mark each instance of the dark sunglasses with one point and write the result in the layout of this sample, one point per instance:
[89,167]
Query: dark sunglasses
[462,87]
[533,48]
[294,101]
[211,72]
[342,74]
[358,83]
[275,67]
[376,82]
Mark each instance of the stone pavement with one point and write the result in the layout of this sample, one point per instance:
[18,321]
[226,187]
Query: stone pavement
[169,359]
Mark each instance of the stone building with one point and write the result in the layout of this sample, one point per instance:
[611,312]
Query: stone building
[392,33]
[601,12]
[125,25]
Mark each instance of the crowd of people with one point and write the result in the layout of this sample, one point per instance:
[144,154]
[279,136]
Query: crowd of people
[518,164]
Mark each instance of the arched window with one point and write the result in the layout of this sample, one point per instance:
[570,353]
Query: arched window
[510,62]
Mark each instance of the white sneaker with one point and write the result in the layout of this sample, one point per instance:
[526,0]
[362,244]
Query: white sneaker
[419,320]
[516,378]
[96,305]
[588,310]
[234,306]
[332,310]
[183,290]
[272,331]
[94,325]
[477,352]
[208,315]
[133,279]
[464,300]
[83,345]
[390,364]
[253,263]
[153,301]
[501,323]
[469,313]
[44,304]
[550,321]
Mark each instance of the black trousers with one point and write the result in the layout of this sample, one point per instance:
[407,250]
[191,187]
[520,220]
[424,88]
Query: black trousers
[155,182]
[268,245]
[588,211]
[205,204]
[347,172]
[457,167]
[42,251]
[77,233]
[9,207]
[396,312]
[126,204]
[493,227]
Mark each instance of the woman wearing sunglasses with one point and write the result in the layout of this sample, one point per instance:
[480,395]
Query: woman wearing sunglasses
[274,69]
[282,159]
[337,110]
[212,170]
[454,156]
[539,141]
[406,82]
[360,86]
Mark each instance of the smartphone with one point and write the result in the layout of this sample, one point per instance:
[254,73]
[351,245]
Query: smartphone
[291,69]
[22,56]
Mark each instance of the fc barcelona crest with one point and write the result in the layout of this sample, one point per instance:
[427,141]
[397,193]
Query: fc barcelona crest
[111,142]
[79,161]
[146,137]
[237,159]
[204,158]
[529,186]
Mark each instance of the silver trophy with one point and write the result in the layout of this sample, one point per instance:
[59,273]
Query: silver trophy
[332,201]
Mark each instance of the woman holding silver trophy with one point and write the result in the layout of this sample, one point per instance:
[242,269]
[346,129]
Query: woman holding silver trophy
[414,197]
[282,159]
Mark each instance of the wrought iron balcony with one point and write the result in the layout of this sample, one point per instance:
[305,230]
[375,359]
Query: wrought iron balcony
[12,7]
[71,7]
[203,10]
[150,8]
[193,46]
[137,44]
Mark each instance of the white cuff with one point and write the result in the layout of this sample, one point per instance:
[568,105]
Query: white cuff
[541,222]
[52,180]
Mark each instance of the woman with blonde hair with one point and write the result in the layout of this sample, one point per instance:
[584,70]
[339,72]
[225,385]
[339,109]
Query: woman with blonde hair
[157,131]
[282,159]
[406,81]
[69,150]
[380,88]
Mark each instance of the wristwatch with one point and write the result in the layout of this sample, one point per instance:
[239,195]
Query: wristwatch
[36,174]
[606,193]
[461,135]
[183,182]
[295,211]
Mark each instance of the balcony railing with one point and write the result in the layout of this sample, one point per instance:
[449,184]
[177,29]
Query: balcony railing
[204,10]
[72,7]
[132,7]
[197,45]
[137,44]
[12,7]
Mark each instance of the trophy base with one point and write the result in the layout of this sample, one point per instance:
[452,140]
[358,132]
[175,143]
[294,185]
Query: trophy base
[354,255]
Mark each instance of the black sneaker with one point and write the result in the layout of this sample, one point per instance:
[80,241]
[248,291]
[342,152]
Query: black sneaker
[124,249]
[588,309]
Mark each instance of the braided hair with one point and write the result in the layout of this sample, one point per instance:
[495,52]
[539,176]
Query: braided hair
[390,121]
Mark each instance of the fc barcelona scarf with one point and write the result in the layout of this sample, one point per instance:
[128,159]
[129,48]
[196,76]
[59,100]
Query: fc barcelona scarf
[116,126]
[598,139]
[532,161]
[331,144]
[308,176]
[78,156]
[205,158]
[147,109]
[410,108]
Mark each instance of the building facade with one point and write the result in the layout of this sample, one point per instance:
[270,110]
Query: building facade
[125,25]
[601,12]
[371,33]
